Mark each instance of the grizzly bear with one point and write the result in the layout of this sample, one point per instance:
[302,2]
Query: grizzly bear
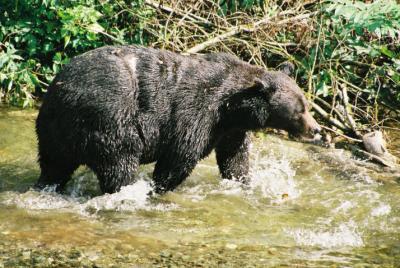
[116,107]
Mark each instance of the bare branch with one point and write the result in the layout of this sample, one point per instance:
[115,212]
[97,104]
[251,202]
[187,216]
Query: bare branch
[188,15]
[245,28]
[347,110]
[328,117]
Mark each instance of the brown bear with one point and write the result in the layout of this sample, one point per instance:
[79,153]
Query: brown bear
[116,107]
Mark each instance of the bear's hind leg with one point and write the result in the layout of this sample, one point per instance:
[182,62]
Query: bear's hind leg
[55,174]
[115,174]
[171,170]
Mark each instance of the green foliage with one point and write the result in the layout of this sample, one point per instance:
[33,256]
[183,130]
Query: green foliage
[381,17]
[358,45]
[81,24]
[38,36]
[17,77]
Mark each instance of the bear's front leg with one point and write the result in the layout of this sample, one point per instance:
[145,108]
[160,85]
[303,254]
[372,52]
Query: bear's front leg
[233,156]
[171,170]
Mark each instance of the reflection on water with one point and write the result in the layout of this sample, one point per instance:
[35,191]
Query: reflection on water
[304,206]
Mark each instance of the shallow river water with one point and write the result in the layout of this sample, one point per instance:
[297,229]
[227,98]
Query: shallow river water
[305,206]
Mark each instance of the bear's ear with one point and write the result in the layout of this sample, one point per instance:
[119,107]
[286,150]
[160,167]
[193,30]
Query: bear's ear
[260,87]
[258,84]
[255,88]
[287,68]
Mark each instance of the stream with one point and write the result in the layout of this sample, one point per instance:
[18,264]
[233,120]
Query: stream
[305,206]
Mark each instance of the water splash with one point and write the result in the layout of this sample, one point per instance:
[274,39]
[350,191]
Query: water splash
[129,198]
[345,235]
[271,178]
[344,207]
[45,200]
[274,178]
[229,187]
[381,210]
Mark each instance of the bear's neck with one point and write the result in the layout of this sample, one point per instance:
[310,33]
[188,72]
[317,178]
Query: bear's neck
[244,111]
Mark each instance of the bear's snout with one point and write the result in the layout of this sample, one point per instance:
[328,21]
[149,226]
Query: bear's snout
[315,128]
[311,127]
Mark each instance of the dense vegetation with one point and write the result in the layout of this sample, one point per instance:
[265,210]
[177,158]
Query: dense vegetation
[347,52]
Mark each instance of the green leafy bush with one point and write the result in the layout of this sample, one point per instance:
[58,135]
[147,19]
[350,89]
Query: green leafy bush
[38,36]
[370,34]
[356,46]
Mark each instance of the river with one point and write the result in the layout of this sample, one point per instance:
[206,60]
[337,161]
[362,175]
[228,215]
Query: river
[305,206]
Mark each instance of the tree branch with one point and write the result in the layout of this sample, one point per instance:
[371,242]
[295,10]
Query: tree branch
[245,28]
[190,16]
[347,110]
[328,117]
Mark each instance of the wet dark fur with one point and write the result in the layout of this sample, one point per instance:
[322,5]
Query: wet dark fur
[103,112]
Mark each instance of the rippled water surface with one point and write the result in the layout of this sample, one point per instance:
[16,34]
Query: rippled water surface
[305,207]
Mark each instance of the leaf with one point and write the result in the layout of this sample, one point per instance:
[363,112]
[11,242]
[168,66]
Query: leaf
[56,68]
[67,39]
[26,103]
[223,10]
[346,11]
[3,76]
[322,89]
[387,52]
[95,28]
[374,26]
[374,53]
[360,50]
[16,57]
[10,84]
[396,78]
[47,47]
[3,59]
[57,57]
[34,79]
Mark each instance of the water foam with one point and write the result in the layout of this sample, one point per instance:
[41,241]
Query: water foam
[44,200]
[344,206]
[381,210]
[345,235]
[129,198]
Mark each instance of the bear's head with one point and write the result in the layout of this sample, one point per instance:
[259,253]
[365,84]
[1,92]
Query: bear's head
[288,108]
[272,100]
